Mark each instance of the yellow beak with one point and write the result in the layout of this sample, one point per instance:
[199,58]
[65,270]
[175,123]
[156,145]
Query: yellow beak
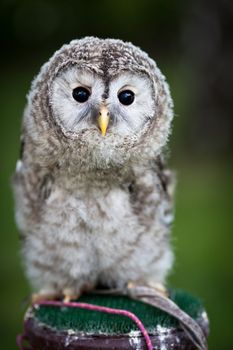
[103,119]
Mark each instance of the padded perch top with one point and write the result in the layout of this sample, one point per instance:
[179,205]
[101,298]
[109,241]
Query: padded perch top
[60,328]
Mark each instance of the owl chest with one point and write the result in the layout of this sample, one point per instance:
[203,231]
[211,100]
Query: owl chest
[94,216]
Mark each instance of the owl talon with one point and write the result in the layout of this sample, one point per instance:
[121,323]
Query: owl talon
[69,295]
[38,297]
[158,287]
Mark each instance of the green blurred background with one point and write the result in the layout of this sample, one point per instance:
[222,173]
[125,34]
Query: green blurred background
[192,43]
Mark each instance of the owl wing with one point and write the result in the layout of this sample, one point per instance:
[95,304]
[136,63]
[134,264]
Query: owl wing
[152,192]
[167,180]
[31,187]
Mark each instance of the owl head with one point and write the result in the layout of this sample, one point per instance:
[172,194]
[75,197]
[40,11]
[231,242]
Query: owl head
[99,102]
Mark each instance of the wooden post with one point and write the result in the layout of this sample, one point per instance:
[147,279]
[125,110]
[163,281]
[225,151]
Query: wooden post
[62,328]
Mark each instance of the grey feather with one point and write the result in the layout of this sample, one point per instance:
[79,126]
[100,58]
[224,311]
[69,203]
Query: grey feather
[95,209]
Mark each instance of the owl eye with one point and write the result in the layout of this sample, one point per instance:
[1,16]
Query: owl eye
[81,94]
[126,97]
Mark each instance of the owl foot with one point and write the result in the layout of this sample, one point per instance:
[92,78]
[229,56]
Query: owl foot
[158,287]
[69,295]
[41,296]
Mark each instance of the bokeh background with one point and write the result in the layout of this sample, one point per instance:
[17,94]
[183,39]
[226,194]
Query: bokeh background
[191,40]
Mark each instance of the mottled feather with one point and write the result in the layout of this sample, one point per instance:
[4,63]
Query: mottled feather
[93,209]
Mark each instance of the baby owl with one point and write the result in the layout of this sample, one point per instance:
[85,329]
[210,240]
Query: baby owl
[93,197]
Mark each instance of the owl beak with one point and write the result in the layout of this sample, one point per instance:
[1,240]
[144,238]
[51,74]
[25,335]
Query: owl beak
[103,119]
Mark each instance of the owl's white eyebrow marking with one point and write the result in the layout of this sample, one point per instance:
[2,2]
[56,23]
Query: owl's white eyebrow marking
[128,87]
[80,77]
[79,83]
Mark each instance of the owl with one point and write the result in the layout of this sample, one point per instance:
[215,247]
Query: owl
[93,197]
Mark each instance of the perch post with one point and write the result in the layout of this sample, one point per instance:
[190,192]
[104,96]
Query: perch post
[50,327]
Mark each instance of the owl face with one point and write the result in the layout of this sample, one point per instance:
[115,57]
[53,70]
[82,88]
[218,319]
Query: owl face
[85,101]
[98,103]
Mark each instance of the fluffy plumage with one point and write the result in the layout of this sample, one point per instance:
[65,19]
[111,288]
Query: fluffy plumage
[95,209]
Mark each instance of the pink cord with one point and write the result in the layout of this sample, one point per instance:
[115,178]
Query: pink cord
[105,309]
